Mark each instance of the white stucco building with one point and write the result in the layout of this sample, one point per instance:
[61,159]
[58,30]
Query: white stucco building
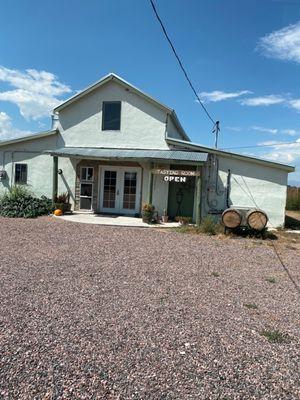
[112,148]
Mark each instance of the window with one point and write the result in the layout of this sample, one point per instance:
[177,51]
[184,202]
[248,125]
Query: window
[87,173]
[21,174]
[111,116]
[86,188]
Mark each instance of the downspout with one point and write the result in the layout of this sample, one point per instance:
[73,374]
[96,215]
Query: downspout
[166,126]
[228,187]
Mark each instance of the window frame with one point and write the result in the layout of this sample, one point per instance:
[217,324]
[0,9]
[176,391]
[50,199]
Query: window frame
[15,175]
[104,103]
[86,180]
[89,182]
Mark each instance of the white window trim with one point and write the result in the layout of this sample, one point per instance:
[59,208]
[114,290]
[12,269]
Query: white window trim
[85,181]
[15,167]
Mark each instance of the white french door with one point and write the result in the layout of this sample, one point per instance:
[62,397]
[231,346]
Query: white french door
[120,190]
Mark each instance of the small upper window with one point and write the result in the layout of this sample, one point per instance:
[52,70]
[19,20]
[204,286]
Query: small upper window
[87,173]
[21,174]
[111,116]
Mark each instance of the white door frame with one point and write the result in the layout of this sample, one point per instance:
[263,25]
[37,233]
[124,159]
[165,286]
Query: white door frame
[120,189]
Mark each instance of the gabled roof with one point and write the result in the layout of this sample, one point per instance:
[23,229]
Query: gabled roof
[121,81]
[28,137]
[227,154]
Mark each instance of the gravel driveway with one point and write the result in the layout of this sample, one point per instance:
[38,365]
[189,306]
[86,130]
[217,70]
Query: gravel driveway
[93,312]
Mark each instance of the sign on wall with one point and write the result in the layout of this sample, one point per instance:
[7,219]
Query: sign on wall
[172,175]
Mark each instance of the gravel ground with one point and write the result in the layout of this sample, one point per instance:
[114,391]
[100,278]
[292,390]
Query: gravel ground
[91,312]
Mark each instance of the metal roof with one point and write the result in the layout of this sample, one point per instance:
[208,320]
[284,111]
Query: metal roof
[194,146]
[128,154]
[27,137]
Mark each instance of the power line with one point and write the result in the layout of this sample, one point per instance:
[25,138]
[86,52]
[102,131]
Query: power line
[216,123]
[261,145]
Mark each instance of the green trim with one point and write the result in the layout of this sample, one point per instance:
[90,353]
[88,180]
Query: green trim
[55,179]
[150,190]
[198,198]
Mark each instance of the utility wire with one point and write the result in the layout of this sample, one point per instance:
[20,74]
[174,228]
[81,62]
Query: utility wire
[215,123]
[260,145]
[250,195]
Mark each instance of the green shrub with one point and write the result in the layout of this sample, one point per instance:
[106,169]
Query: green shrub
[251,306]
[293,203]
[274,336]
[18,202]
[208,226]
[271,279]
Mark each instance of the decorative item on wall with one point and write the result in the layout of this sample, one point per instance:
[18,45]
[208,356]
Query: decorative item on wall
[3,175]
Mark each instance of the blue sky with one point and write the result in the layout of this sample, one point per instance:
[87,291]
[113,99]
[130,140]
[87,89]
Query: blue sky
[243,58]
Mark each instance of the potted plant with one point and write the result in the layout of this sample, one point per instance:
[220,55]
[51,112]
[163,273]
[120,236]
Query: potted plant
[165,217]
[62,202]
[183,220]
[147,213]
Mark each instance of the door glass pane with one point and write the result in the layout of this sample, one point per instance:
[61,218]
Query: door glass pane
[129,195]
[86,189]
[109,189]
[85,203]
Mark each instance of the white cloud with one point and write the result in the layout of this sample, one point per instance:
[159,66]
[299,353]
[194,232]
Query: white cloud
[295,104]
[234,128]
[290,132]
[265,130]
[283,44]
[36,93]
[7,130]
[263,100]
[285,153]
[218,95]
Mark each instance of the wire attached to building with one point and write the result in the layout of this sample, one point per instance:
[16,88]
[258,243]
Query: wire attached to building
[250,195]
[215,123]
[261,145]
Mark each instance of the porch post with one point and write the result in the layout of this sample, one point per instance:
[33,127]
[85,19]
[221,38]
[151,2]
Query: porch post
[55,178]
[198,197]
[150,189]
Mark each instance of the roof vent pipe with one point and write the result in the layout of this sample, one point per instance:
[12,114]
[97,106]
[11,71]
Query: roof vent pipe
[55,119]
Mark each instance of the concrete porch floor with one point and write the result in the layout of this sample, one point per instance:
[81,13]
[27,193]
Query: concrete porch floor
[113,220]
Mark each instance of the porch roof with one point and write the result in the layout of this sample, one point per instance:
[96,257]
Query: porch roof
[128,154]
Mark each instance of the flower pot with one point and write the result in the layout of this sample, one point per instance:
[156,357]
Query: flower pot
[147,217]
[165,219]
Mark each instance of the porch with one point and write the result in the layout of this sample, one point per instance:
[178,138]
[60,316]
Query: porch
[113,220]
[119,181]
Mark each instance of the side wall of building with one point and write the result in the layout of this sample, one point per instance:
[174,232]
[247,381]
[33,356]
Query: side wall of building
[39,167]
[244,184]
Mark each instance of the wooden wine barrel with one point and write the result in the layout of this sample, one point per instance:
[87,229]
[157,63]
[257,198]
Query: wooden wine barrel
[256,219]
[231,218]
